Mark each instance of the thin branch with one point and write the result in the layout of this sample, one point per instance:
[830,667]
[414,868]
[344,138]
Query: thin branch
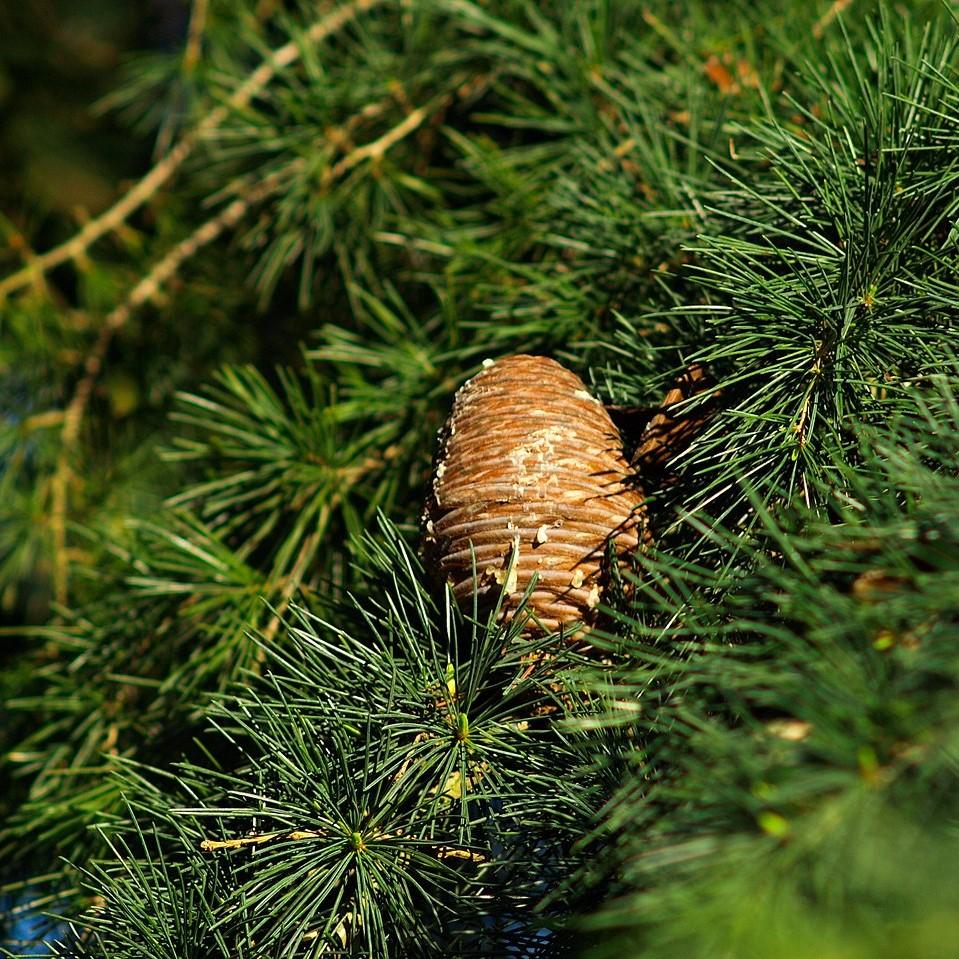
[376,149]
[293,581]
[165,268]
[149,286]
[212,845]
[298,835]
[192,50]
[836,8]
[673,428]
[108,221]
[194,37]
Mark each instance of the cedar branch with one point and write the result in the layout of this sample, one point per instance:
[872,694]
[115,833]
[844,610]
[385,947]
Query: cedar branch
[198,15]
[163,270]
[298,835]
[150,285]
[837,7]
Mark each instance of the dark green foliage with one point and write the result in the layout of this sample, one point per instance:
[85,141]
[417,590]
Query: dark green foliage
[798,725]
[822,270]
[384,793]
[230,722]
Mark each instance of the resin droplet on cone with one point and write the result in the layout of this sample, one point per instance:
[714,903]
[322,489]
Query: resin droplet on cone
[530,480]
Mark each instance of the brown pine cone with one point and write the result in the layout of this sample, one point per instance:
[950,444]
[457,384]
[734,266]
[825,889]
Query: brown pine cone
[530,479]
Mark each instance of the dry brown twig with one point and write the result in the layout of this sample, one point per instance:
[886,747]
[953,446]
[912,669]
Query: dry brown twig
[111,219]
[292,584]
[298,835]
[375,150]
[837,7]
[168,265]
[671,429]
[194,38]
[147,288]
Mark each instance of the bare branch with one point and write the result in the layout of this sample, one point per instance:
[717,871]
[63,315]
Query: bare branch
[194,38]
[147,288]
[836,8]
[107,222]
[165,268]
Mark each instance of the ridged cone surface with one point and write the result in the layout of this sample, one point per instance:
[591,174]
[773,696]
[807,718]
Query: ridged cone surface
[530,480]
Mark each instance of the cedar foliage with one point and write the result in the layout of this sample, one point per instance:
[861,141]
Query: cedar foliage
[238,721]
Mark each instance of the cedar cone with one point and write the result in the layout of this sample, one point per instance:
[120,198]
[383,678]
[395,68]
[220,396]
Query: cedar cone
[530,479]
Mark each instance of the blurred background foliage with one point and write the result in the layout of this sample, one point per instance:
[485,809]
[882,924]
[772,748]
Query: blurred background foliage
[61,158]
